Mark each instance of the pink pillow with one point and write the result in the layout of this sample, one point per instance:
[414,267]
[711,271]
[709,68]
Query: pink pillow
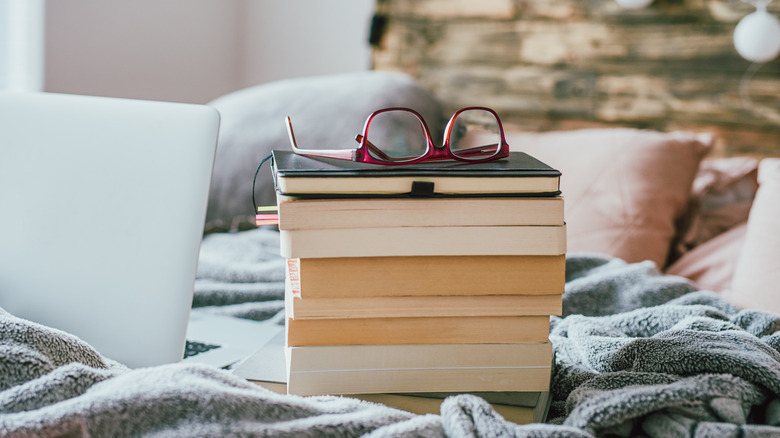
[623,188]
[756,282]
[711,265]
[721,196]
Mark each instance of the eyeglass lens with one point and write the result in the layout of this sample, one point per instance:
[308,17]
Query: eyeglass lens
[475,135]
[399,134]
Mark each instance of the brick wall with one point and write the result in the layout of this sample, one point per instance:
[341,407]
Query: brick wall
[566,64]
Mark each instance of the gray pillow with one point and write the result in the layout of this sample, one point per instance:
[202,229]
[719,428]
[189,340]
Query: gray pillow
[327,112]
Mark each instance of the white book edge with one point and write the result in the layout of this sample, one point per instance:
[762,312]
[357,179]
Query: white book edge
[423,241]
[435,380]
[419,356]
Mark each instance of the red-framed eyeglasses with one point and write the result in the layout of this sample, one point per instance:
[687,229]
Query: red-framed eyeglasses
[399,136]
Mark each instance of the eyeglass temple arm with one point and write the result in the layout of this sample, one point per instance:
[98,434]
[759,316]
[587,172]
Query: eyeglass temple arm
[487,149]
[375,150]
[340,154]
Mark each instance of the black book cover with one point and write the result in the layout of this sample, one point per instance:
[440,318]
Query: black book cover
[288,164]
[518,175]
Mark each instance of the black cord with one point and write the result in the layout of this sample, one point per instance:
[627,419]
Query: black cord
[254,182]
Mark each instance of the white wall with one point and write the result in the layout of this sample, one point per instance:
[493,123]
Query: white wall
[293,38]
[197,50]
[21,45]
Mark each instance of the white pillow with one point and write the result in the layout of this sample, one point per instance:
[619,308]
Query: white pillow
[756,282]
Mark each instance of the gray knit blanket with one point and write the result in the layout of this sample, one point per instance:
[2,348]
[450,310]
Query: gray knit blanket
[638,353]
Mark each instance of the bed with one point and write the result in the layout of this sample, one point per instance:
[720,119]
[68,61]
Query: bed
[671,316]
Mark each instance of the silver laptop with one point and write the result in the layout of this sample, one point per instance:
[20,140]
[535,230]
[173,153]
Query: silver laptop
[103,204]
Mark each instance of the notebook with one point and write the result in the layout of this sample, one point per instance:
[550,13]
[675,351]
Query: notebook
[103,207]
[517,175]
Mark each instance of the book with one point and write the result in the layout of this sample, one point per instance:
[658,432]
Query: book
[417,330]
[423,241]
[422,306]
[418,356]
[528,399]
[422,405]
[424,379]
[347,369]
[303,213]
[363,277]
[518,174]
[267,369]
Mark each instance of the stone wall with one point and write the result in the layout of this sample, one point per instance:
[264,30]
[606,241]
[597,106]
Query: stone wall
[567,64]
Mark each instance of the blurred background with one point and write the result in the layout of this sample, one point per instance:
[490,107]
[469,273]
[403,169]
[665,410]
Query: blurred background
[177,50]
[543,64]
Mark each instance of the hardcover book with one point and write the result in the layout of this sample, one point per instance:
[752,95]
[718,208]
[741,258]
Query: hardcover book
[516,175]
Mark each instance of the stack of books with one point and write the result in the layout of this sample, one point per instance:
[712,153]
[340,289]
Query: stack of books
[413,283]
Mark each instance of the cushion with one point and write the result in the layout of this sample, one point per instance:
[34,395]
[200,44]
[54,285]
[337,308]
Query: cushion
[756,282]
[721,197]
[711,265]
[623,188]
[326,111]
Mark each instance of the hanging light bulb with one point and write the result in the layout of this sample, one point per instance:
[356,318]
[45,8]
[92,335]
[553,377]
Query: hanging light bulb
[634,4]
[757,36]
